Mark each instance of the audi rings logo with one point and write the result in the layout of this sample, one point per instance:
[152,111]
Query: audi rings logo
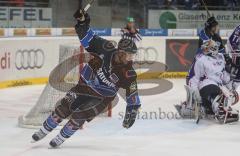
[29,59]
[147,55]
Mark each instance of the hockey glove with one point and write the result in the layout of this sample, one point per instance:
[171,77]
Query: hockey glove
[228,59]
[130,115]
[82,17]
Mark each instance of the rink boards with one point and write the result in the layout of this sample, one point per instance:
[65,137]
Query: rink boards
[29,60]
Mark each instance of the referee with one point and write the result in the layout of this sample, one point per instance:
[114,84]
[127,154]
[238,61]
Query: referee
[130,31]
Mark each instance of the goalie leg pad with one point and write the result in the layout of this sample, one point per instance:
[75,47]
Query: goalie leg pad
[187,107]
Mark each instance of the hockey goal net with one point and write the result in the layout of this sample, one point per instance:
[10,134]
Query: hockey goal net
[49,96]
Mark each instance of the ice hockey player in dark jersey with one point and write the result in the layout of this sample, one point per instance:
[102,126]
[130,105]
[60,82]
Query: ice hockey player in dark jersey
[210,32]
[233,50]
[109,69]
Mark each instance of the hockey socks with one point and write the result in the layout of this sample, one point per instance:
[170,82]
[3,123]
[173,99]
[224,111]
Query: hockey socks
[66,132]
[49,124]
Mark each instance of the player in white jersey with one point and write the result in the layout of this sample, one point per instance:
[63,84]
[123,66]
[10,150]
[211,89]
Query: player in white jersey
[206,85]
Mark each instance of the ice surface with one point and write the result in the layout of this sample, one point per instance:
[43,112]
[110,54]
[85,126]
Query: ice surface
[105,136]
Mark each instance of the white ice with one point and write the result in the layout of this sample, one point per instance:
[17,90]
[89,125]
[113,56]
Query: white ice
[105,136]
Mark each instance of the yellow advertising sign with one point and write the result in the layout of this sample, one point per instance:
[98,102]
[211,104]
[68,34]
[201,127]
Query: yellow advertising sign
[43,32]
[20,32]
[2,34]
[68,32]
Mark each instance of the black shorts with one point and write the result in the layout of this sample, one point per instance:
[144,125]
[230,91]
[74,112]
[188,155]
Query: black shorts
[209,93]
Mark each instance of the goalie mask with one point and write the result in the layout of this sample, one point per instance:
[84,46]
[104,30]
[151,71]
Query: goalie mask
[210,48]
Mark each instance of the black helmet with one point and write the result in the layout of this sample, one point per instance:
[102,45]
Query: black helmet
[127,45]
[211,22]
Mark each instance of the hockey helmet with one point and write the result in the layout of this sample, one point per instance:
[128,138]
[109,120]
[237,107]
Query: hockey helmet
[127,46]
[210,47]
[211,22]
[130,19]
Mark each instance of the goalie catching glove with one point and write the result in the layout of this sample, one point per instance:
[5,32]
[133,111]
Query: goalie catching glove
[130,115]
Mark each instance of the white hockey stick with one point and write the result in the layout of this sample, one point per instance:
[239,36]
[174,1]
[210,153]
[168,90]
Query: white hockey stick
[88,5]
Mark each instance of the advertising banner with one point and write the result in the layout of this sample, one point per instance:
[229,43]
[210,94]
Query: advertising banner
[153,32]
[2,33]
[182,32]
[180,54]
[23,60]
[102,32]
[184,19]
[43,32]
[20,32]
[68,32]
[24,17]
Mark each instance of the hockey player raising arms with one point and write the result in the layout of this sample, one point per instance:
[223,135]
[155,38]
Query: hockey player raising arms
[207,83]
[108,70]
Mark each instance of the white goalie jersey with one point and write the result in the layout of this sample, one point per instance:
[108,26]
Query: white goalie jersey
[208,70]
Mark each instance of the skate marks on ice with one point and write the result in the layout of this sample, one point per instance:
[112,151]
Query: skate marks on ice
[106,136]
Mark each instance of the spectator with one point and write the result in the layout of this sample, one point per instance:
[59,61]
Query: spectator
[130,31]
[169,4]
[19,3]
[232,4]
[10,3]
[4,3]
[192,4]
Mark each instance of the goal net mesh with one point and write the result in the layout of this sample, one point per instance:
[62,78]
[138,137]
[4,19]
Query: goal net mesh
[49,96]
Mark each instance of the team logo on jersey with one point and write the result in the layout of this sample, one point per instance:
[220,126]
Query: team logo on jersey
[114,78]
[103,78]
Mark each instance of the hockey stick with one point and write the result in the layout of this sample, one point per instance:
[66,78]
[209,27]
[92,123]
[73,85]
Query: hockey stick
[78,13]
[198,114]
[205,6]
[88,5]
